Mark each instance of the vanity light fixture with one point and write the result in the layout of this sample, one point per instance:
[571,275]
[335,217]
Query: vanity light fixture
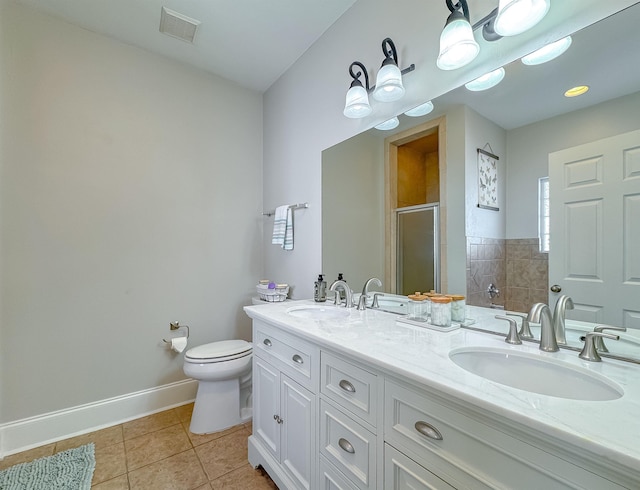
[486,81]
[421,110]
[357,103]
[575,91]
[457,45]
[547,53]
[388,124]
[389,79]
[388,85]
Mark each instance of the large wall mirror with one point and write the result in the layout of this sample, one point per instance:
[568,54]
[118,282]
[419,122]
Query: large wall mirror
[523,121]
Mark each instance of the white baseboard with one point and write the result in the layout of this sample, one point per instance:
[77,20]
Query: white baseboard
[43,429]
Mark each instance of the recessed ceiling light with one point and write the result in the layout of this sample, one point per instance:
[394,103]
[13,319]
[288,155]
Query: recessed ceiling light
[389,124]
[486,81]
[548,52]
[421,110]
[575,91]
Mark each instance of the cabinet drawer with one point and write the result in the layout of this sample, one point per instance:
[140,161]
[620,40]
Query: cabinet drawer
[294,357]
[348,445]
[470,454]
[349,386]
[331,478]
[402,473]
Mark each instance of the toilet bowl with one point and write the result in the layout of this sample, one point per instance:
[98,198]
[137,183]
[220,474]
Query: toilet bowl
[223,372]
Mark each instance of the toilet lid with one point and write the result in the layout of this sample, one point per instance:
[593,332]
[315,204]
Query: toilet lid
[224,348]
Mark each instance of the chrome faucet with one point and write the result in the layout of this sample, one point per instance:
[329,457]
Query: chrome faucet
[347,293]
[563,304]
[362,302]
[540,313]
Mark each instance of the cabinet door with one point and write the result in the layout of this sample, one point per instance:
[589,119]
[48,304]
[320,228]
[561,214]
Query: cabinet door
[402,473]
[298,414]
[266,400]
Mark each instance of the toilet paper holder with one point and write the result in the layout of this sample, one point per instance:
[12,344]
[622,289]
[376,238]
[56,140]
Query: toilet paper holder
[176,326]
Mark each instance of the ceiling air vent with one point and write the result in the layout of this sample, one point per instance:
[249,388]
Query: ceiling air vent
[178,25]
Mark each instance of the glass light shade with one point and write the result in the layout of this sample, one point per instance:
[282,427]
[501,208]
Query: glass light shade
[357,103]
[388,124]
[457,45]
[548,52]
[421,110]
[388,83]
[486,81]
[517,16]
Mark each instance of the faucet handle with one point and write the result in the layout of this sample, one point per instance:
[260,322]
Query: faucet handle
[589,352]
[512,336]
[375,303]
[362,302]
[525,331]
[598,342]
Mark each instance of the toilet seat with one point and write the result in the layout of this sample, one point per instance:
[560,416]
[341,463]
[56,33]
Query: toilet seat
[225,350]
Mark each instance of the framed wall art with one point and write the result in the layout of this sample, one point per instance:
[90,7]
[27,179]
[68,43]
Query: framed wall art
[487,180]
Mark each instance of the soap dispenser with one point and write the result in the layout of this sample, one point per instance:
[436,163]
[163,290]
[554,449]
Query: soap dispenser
[320,290]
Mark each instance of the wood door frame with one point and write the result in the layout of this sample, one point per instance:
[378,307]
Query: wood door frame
[391,195]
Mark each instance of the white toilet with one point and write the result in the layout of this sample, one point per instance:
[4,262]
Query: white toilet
[223,372]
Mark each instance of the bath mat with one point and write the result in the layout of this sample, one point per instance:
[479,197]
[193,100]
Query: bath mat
[68,470]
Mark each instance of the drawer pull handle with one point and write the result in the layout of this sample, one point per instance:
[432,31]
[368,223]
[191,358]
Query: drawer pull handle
[267,342]
[428,430]
[278,419]
[298,359]
[346,446]
[347,386]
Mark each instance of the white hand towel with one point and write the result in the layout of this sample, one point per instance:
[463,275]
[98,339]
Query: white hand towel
[280,225]
[288,233]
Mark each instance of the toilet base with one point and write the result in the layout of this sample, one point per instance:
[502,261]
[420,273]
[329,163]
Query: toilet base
[217,407]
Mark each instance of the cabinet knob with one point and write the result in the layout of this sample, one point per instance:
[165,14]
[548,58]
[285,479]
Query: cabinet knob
[428,430]
[555,288]
[347,386]
[346,446]
[298,359]
[267,342]
[278,419]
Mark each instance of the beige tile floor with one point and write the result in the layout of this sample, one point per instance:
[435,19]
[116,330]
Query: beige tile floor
[159,453]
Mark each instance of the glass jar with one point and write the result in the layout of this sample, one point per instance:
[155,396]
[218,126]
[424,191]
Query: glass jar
[458,308]
[441,311]
[418,307]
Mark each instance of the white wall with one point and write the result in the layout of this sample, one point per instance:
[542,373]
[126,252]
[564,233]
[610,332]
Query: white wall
[485,134]
[303,110]
[528,148]
[131,196]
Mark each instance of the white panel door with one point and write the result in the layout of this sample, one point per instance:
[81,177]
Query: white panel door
[595,229]
[266,400]
[298,427]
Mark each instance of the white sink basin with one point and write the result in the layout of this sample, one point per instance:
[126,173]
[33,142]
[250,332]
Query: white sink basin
[535,374]
[317,312]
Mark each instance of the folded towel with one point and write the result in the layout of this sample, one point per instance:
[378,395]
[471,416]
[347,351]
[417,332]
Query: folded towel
[288,232]
[280,225]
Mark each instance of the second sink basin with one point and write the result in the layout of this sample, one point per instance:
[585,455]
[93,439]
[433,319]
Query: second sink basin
[317,312]
[534,374]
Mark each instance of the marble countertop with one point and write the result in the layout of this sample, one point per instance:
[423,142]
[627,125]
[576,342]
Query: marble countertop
[608,430]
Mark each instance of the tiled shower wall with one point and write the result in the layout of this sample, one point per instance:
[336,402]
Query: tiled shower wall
[514,266]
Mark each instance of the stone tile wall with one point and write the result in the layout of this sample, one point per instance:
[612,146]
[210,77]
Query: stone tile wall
[527,274]
[514,266]
[486,264]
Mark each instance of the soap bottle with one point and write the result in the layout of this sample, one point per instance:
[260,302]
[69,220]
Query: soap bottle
[320,290]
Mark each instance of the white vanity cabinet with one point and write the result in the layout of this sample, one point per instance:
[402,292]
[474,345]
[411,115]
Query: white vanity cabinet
[285,409]
[328,417]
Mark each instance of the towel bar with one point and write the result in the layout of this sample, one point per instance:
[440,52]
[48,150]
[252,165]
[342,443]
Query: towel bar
[302,205]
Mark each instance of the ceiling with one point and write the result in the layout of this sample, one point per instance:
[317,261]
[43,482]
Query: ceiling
[251,42]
